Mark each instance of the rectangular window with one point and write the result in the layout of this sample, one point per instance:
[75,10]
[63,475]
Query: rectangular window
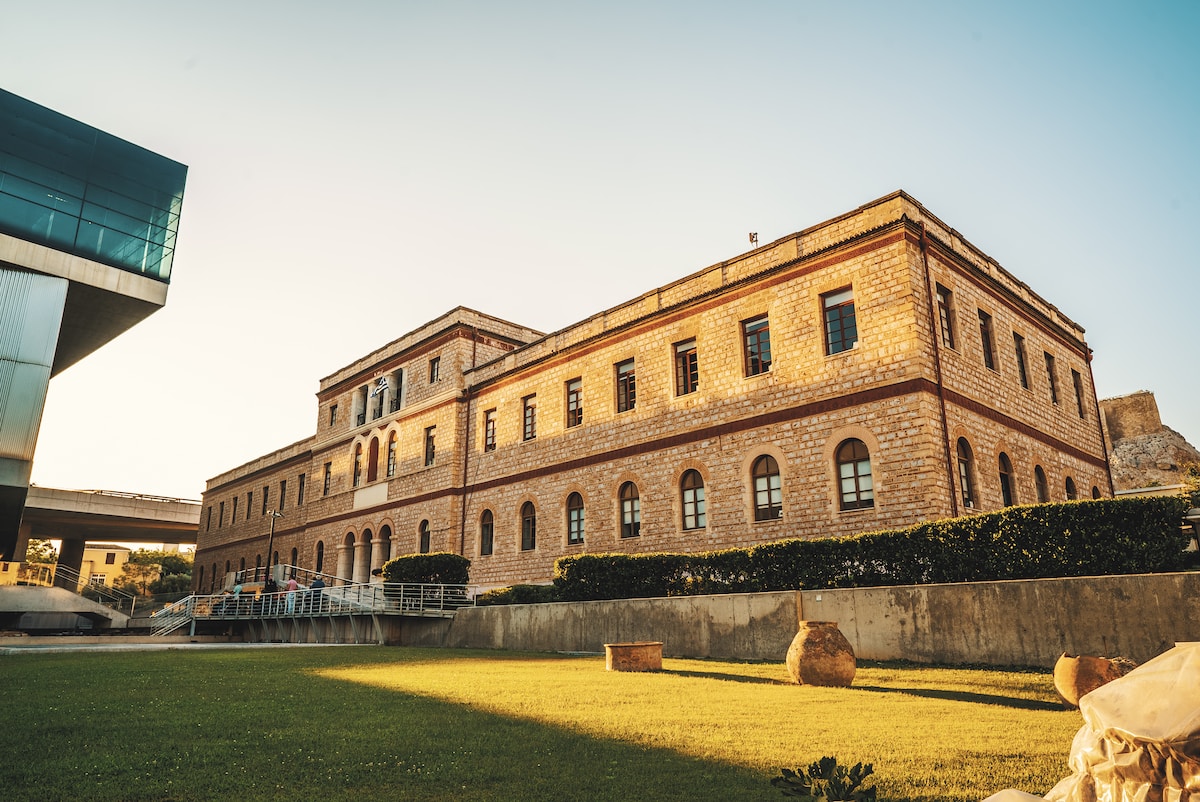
[110,558]
[574,402]
[841,326]
[233,512]
[489,430]
[626,386]
[332,414]
[249,503]
[429,449]
[266,497]
[208,519]
[1019,347]
[435,370]
[985,337]
[756,335]
[529,416]
[945,311]
[328,479]
[282,493]
[1077,380]
[687,368]
[1052,375]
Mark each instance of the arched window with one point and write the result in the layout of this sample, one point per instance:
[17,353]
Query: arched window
[1095,492]
[486,533]
[966,473]
[768,492]
[257,562]
[574,519]
[528,526]
[295,557]
[320,562]
[691,489]
[212,579]
[424,533]
[228,566]
[357,464]
[373,460]
[200,577]
[385,542]
[855,485]
[1006,481]
[1043,487]
[242,565]
[391,455]
[1072,491]
[631,510]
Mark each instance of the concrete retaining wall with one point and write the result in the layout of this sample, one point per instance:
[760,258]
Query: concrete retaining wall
[1028,622]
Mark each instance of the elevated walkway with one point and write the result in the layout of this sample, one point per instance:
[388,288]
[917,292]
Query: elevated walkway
[17,601]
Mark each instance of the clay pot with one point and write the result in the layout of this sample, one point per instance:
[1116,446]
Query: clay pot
[821,655]
[1076,676]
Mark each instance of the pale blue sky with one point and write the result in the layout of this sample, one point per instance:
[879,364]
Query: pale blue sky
[358,168]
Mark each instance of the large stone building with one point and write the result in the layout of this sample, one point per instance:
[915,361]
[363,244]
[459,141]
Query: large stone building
[872,371]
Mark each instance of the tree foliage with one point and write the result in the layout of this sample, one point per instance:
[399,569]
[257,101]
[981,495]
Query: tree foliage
[40,551]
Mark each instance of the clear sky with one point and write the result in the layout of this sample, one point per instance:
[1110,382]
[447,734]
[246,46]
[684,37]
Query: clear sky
[358,168]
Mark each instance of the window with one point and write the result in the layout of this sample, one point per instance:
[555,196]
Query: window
[110,558]
[945,311]
[528,527]
[249,503]
[987,340]
[397,390]
[1077,381]
[435,370]
[631,510]
[391,455]
[1095,492]
[233,512]
[529,416]
[357,464]
[265,501]
[429,446]
[300,491]
[756,335]
[489,430]
[208,518]
[1043,487]
[1052,376]
[691,490]
[855,485]
[1019,348]
[768,491]
[1072,491]
[574,519]
[626,386]
[1006,481]
[332,414]
[220,514]
[282,493]
[574,402]
[328,479]
[423,529]
[486,533]
[966,473]
[687,368]
[841,327]
[377,394]
[320,563]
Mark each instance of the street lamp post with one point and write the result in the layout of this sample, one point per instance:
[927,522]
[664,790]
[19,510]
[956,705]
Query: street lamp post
[271,539]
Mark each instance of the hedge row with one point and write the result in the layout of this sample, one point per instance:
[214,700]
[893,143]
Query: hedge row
[438,568]
[1083,538]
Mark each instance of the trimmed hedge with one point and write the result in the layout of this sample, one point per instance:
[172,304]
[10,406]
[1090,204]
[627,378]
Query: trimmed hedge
[438,568]
[1079,538]
[518,594]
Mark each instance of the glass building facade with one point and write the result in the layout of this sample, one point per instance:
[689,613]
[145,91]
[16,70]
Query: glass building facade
[77,189]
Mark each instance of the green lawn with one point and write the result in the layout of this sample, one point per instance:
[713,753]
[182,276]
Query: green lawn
[367,723]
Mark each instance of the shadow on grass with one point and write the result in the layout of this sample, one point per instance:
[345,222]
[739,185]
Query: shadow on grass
[966,696]
[722,675]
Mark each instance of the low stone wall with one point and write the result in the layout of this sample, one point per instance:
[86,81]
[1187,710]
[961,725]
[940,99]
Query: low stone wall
[1026,622]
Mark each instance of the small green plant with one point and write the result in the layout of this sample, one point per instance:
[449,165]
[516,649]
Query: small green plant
[826,781]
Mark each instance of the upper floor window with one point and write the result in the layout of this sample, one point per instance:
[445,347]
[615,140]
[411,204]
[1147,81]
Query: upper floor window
[249,503]
[855,485]
[1007,491]
[282,493]
[966,473]
[332,414]
[841,325]
[435,369]
[357,464]
[1052,377]
[300,490]
[391,455]
[1072,491]
[687,368]
[233,512]
[574,402]
[756,337]
[987,339]
[1077,381]
[691,491]
[768,489]
[626,386]
[489,430]
[1043,487]
[327,480]
[423,532]
[631,510]
[486,533]
[574,519]
[945,311]
[429,446]
[529,413]
[528,526]
[265,499]
[1019,349]
[221,515]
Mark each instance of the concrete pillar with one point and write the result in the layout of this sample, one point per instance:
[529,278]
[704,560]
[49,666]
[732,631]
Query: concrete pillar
[345,554]
[378,552]
[362,561]
[70,555]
